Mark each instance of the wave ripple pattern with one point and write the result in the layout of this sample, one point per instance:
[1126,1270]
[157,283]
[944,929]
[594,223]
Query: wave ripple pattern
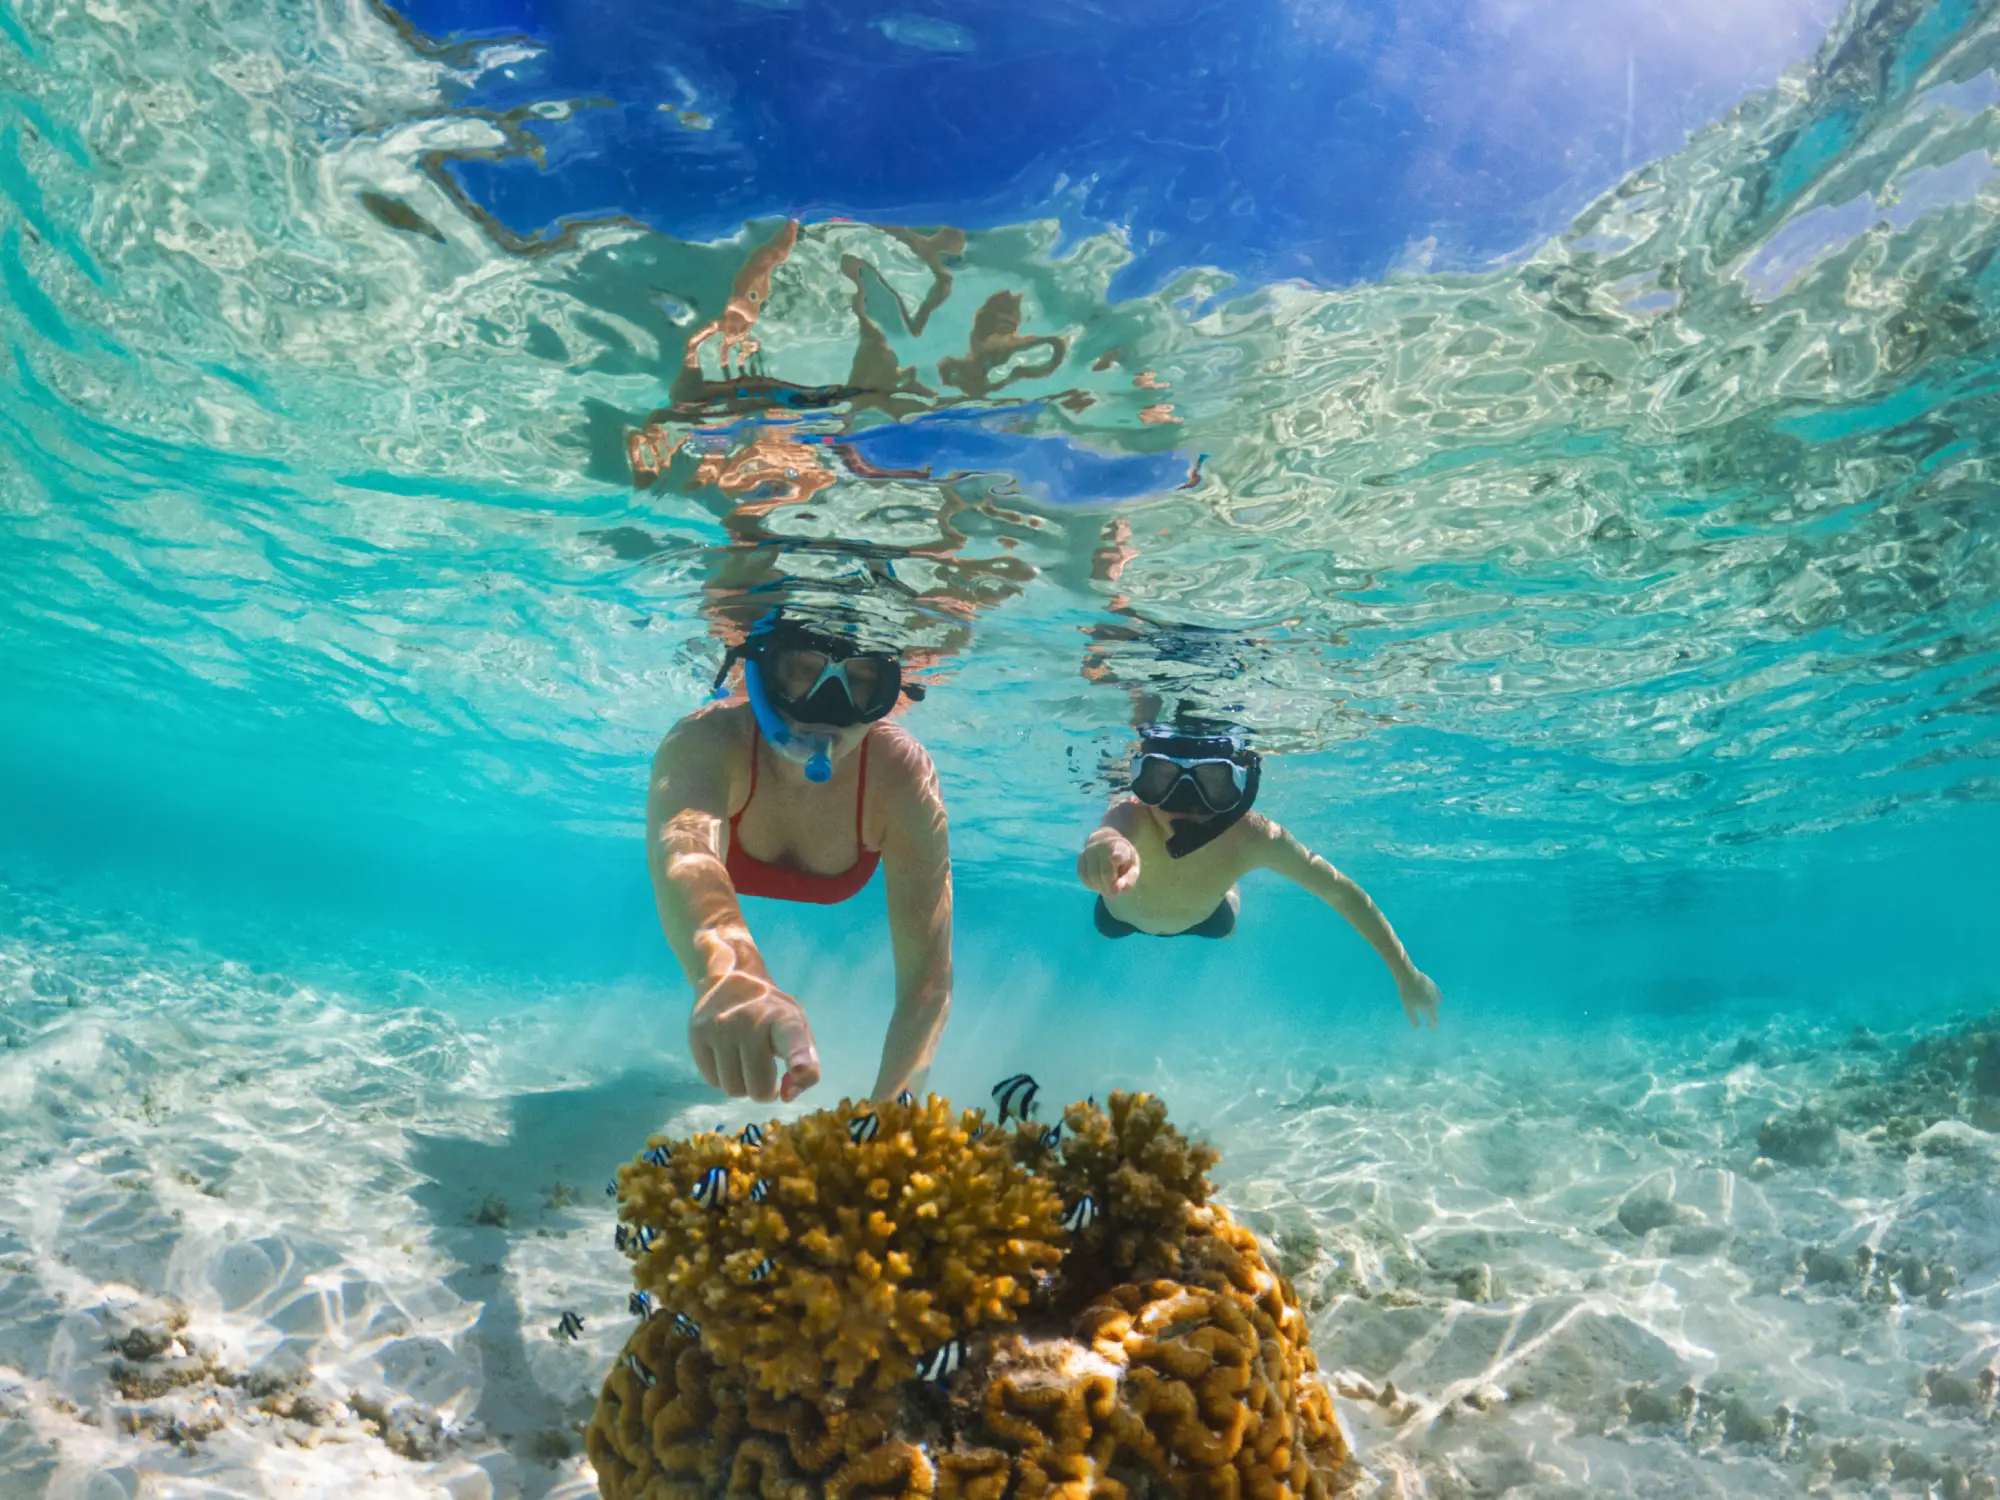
[1620,547]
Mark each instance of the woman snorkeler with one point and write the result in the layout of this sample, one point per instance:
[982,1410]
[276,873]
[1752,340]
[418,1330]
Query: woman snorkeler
[797,794]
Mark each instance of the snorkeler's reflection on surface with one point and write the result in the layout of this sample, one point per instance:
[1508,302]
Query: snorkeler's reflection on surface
[885,384]
[734,433]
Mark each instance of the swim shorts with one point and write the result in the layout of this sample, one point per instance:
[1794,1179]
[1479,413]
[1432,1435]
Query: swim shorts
[1217,924]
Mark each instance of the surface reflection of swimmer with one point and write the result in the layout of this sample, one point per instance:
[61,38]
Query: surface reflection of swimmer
[929,442]
[890,386]
[739,435]
[797,794]
[1167,858]
[694,397]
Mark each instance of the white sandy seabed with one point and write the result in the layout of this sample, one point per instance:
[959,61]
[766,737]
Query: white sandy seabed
[251,1241]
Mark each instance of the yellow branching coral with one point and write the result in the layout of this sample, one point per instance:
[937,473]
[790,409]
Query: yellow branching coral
[792,1318]
[1143,1177]
[839,1249]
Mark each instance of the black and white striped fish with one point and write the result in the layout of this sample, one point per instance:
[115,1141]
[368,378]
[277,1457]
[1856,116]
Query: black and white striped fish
[640,1305]
[1052,1137]
[1016,1095]
[638,1367]
[654,1156]
[942,1362]
[611,1189]
[621,1237]
[863,1128]
[713,1189]
[906,1097]
[759,1190]
[763,1268]
[751,1135]
[643,1238]
[1082,1214]
[569,1326]
[686,1327]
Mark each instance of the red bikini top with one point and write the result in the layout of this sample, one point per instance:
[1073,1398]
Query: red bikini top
[756,877]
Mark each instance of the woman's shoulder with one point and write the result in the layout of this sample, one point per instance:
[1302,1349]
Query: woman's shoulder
[901,760]
[893,745]
[712,729]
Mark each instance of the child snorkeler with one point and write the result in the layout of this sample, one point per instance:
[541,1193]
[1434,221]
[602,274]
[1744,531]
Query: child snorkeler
[1166,859]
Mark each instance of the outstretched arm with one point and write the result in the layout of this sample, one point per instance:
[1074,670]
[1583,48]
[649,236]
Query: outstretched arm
[743,1026]
[916,862]
[1286,856]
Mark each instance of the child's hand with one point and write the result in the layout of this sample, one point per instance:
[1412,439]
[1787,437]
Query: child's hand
[1419,994]
[1109,865]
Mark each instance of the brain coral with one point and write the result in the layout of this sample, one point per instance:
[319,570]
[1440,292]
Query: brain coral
[1152,1352]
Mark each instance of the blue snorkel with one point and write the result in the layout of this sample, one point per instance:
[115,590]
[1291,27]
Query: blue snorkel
[813,751]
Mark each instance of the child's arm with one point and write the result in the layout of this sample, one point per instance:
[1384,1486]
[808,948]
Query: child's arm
[1286,856]
[1109,864]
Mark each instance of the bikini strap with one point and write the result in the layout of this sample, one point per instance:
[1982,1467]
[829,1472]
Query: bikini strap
[861,797]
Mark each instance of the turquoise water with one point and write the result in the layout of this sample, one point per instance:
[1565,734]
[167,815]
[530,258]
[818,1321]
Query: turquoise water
[1623,613]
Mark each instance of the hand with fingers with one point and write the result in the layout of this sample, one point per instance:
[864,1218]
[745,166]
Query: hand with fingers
[1419,994]
[1109,865]
[744,1031]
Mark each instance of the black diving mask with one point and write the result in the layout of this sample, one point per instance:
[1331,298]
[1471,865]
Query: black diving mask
[816,678]
[1189,784]
[1211,778]
[817,686]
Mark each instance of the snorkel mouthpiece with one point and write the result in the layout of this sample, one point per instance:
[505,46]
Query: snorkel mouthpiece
[813,751]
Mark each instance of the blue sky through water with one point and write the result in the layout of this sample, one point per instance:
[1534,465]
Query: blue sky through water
[1275,139]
